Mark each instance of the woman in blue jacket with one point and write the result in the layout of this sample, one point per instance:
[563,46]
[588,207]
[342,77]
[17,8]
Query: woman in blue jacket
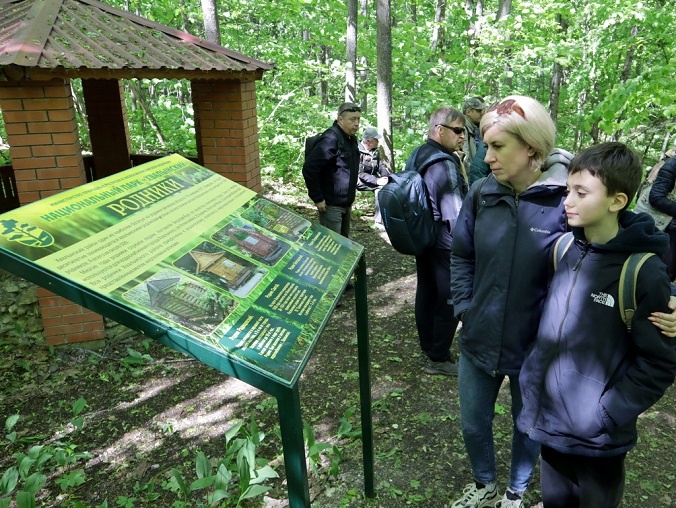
[500,269]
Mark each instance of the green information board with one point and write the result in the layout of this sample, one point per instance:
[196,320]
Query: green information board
[198,262]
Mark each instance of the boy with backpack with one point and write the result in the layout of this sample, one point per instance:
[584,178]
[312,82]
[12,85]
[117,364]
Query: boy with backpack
[589,376]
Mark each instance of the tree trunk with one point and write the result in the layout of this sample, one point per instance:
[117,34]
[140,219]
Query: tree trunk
[384,81]
[323,84]
[437,42]
[187,27]
[351,44]
[211,28]
[504,9]
[137,92]
[557,77]
[363,73]
[626,74]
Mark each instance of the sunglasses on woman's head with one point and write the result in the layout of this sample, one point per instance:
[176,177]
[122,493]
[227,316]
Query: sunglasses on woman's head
[506,107]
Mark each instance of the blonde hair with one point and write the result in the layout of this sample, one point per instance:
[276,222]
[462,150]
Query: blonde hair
[535,127]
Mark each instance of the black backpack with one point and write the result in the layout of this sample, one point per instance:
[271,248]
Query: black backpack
[405,207]
[312,141]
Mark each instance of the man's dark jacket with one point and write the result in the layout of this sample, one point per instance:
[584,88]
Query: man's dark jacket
[446,188]
[662,187]
[330,171]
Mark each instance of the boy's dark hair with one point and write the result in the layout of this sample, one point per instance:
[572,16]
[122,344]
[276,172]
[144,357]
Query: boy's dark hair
[614,164]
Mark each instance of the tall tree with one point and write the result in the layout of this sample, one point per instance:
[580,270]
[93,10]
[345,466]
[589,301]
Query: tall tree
[557,76]
[504,9]
[211,27]
[384,80]
[351,43]
[437,42]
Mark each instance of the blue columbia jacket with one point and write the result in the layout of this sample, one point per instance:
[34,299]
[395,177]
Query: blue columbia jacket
[587,378]
[500,267]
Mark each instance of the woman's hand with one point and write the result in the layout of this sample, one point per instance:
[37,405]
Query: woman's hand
[666,322]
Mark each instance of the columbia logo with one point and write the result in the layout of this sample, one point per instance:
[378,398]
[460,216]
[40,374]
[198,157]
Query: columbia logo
[603,298]
[538,230]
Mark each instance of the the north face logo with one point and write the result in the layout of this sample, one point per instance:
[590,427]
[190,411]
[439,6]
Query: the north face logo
[603,298]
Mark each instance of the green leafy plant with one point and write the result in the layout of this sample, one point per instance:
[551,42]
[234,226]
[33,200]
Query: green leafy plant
[238,476]
[22,482]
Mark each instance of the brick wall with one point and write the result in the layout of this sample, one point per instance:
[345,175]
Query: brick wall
[43,137]
[47,159]
[227,129]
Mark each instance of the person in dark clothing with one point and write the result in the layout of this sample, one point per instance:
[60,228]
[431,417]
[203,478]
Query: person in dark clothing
[500,269]
[330,170]
[478,168]
[663,198]
[473,109]
[372,170]
[446,188]
[587,379]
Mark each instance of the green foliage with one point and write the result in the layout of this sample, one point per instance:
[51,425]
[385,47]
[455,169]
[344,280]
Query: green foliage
[22,481]
[230,480]
[477,55]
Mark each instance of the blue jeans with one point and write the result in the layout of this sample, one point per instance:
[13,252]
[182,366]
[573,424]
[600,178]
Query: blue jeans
[336,218]
[478,393]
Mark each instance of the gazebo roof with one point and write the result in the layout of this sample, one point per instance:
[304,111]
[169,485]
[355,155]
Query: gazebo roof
[44,39]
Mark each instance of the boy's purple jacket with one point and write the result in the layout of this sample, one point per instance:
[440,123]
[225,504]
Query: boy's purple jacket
[586,379]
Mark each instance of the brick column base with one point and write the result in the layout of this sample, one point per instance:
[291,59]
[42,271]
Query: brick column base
[43,137]
[66,322]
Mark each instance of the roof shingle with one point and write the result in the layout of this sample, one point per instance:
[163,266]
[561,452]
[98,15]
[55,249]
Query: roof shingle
[86,38]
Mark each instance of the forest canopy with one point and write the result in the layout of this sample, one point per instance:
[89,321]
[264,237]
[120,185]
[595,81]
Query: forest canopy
[604,69]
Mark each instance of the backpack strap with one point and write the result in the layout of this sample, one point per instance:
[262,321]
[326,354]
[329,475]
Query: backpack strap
[561,246]
[477,195]
[432,159]
[627,290]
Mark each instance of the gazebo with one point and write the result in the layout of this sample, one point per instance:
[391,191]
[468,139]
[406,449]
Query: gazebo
[44,44]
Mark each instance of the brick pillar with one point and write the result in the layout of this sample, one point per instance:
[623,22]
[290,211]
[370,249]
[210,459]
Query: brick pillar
[226,129]
[47,159]
[108,126]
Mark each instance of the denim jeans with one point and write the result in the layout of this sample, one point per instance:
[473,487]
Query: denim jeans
[478,393]
[336,218]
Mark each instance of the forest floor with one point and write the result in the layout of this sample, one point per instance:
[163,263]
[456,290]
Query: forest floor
[150,409]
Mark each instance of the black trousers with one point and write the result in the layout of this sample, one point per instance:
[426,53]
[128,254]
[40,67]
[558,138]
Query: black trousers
[574,481]
[433,308]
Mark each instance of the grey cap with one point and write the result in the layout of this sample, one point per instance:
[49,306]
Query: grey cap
[348,106]
[371,133]
[473,103]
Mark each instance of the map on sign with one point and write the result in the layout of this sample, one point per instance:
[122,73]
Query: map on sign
[196,252]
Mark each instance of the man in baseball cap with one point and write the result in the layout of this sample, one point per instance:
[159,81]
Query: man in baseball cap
[331,167]
[473,109]
[372,171]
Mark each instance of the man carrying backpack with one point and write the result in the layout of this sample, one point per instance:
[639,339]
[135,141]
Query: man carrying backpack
[330,170]
[446,188]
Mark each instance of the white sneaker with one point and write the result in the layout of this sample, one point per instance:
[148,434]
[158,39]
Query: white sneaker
[508,503]
[473,497]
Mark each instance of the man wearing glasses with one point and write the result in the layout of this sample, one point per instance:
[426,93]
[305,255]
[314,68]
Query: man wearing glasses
[331,168]
[446,187]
